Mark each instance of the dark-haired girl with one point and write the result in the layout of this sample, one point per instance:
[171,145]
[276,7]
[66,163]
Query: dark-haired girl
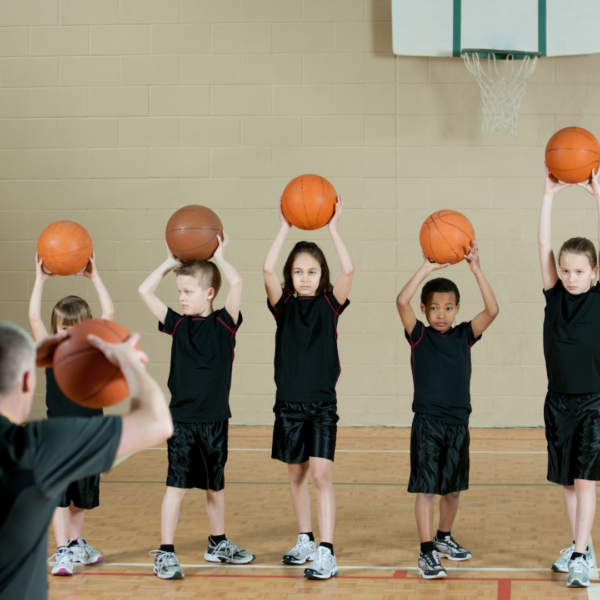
[572,352]
[306,372]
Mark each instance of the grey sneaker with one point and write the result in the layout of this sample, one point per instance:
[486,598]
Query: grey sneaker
[578,573]
[324,565]
[430,567]
[63,565]
[227,552]
[449,548]
[561,565]
[303,551]
[84,554]
[166,565]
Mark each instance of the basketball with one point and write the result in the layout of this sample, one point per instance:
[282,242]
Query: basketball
[65,247]
[83,373]
[192,233]
[445,236]
[572,153]
[308,202]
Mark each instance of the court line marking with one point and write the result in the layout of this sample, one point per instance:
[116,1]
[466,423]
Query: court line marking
[374,451]
[351,483]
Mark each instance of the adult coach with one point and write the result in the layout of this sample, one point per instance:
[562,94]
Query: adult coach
[38,460]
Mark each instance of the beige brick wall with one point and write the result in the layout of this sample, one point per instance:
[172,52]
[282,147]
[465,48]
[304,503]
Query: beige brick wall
[115,113]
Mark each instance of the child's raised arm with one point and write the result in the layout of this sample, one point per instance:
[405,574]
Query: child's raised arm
[405,310]
[593,187]
[35,303]
[343,284]
[108,308]
[146,290]
[486,317]
[272,284]
[547,262]
[234,297]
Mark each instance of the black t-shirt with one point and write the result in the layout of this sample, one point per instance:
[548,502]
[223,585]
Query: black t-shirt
[441,367]
[572,340]
[307,365]
[37,463]
[59,405]
[201,362]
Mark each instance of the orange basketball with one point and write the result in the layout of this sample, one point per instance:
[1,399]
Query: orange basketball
[192,233]
[83,373]
[65,247]
[308,202]
[572,153]
[446,235]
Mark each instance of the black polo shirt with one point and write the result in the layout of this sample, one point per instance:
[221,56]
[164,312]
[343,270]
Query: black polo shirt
[307,365]
[37,463]
[441,367]
[572,340]
[201,363]
[59,405]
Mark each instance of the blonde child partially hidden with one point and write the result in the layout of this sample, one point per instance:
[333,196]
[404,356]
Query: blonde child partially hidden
[84,494]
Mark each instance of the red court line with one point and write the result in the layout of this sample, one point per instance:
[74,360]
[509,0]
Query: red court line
[504,589]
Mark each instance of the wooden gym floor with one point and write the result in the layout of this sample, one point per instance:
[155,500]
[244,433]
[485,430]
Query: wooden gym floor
[511,519]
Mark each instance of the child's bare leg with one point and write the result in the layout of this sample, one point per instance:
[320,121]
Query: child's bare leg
[215,509]
[424,516]
[60,526]
[448,508]
[586,510]
[570,499]
[298,475]
[76,516]
[169,514]
[321,473]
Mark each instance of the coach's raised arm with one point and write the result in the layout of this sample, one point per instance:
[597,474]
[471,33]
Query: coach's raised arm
[39,459]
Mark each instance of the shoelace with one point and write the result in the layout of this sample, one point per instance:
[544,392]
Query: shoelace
[452,543]
[229,547]
[85,547]
[322,555]
[567,550]
[60,556]
[165,559]
[579,565]
[436,559]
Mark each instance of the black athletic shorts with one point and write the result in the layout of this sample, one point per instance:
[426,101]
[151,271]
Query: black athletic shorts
[304,429]
[573,435]
[197,455]
[439,456]
[84,493]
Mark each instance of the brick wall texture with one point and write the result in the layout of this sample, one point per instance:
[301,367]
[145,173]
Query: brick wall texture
[116,113]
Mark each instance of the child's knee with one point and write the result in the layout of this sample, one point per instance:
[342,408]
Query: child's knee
[321,478]
[298,472]
[174,492]
[454,496]
[583,485]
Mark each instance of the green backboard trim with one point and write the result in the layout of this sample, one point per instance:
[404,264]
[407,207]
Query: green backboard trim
[542,27]
[456,18]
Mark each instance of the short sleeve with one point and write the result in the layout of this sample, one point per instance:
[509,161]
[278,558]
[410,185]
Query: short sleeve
[170,322]
[65,450]
[276,310]
[417,333]
[226,323]
[335,305]
[468,329]
[554,291]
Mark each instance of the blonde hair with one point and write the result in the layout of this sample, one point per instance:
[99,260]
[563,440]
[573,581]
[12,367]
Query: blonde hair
[580,245]
[206,273]
[70,311]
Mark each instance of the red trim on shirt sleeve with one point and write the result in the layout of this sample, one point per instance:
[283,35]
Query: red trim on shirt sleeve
[174,328]
[278,312]
[337,314]
[413,344]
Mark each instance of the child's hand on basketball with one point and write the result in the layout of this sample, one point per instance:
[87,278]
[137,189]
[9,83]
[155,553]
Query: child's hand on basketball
[284,222]
[339,205]
[552,185]
[172,258]
[220,251]
[473,258]
[90,270]
[40,272]
[592,186]
[431,266]
[121,354]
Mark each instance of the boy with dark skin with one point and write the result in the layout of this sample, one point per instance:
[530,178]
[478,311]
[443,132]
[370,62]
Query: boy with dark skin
[442,372]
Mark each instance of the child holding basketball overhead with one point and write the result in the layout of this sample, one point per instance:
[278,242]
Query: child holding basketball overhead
[572,352]
[199,382]
[67,521]
[439,440]
[306,372]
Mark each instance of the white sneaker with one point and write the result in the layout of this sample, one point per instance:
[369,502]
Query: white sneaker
[63,565]
[227,552]
[561,565]
[84,553]
[166,565]
[303,551]
[578,573]
[324,565]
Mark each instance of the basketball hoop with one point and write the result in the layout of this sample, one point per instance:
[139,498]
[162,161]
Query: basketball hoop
[502,89]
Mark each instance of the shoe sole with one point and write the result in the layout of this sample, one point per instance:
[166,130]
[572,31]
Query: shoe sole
[313,575]
[577,584]
[438,576]
[309,558]
[176,576]
[590,565]
[215,559]
[62,573]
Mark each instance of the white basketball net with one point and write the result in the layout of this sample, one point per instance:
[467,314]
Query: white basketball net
[502,89]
